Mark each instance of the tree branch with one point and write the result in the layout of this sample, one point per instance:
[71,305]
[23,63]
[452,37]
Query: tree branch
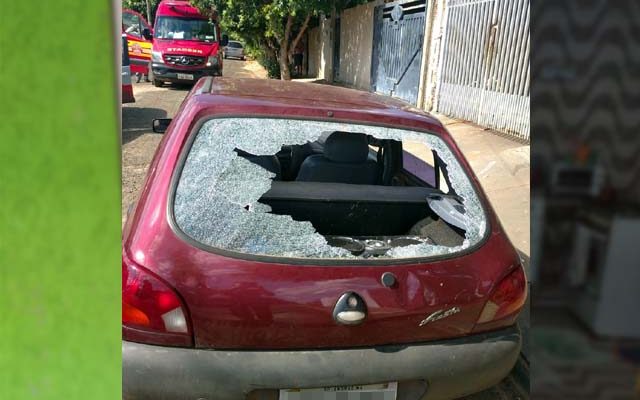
[299,35]
[287,32]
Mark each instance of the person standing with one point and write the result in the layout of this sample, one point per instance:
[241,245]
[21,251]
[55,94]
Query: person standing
[298,55]
[139,76]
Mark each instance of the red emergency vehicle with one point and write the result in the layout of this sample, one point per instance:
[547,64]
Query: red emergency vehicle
[186,44]
[139,36]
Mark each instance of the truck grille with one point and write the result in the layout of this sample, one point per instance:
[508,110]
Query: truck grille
[183,60]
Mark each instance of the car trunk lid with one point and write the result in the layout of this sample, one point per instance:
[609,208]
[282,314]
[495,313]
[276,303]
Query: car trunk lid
[251,304]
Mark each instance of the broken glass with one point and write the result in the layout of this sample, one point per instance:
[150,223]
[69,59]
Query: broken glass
[217,196]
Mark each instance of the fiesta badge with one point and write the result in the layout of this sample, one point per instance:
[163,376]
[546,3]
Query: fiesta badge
[438,315]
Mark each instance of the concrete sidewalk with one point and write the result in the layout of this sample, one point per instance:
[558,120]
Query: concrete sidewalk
[502,165]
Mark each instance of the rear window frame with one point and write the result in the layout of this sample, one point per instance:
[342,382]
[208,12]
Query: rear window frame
[185,149]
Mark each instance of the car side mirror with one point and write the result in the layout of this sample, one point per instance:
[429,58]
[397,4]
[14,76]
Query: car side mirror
[146,33]
[160,125]
[224,41]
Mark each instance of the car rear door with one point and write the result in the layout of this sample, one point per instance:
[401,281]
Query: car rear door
[139,48]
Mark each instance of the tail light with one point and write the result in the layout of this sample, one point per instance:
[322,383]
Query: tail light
[507,299]
[152,312]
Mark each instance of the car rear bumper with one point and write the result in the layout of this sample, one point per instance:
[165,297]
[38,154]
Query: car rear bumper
[438,370]
[167,74]
[236,54]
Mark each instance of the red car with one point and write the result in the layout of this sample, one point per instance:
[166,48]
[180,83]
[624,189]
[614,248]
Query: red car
[296,238]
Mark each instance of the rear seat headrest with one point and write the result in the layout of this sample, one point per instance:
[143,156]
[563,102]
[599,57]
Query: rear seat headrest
[346,147]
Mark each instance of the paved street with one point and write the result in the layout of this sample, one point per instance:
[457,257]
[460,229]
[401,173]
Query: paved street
[138,140]
[501,164]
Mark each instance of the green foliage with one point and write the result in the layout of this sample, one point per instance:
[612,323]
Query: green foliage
[141,7]
[262,25]
[270,64]
[135,5]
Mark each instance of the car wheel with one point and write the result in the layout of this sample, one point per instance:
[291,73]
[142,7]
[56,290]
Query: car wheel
[157,83]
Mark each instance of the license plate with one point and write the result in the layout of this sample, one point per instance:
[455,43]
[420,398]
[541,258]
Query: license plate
[186,77]
[380,391]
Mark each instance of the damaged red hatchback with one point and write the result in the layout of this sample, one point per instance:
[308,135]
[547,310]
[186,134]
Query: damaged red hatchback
[297,239]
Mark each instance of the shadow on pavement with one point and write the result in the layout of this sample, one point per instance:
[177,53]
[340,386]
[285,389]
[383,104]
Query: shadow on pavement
[137,121]
[179,86]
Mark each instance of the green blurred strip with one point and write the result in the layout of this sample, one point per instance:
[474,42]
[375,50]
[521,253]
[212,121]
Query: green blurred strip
[60,197]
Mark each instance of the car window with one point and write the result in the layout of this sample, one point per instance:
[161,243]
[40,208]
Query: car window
[132,24]
[235,45]
[420,162]
[327,190]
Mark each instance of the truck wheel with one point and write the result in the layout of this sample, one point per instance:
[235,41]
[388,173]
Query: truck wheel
[157,83]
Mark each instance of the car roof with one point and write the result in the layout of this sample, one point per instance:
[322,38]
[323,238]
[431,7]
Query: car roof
[291,92]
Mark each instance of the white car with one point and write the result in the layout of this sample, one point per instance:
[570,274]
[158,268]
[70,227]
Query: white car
[234,49]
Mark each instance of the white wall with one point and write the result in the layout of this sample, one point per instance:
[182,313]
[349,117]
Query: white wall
[321,49]
[356,45]
[315,44]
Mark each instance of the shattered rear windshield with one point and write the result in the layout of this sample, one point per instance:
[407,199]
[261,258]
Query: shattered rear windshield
[325,190]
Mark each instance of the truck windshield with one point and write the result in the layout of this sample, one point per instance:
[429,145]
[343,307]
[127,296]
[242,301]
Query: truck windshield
[185,29]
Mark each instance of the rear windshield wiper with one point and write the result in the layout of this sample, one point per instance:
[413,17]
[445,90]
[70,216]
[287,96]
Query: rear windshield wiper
[439,194]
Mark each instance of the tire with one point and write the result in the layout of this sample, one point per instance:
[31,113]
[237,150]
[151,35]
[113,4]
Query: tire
[157,83]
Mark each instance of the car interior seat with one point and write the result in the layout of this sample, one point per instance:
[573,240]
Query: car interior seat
[345,159]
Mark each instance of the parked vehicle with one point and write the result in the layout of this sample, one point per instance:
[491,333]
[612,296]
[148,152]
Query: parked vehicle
[293,236]
[125,74]
[234,49]
[186,44]
[139,34]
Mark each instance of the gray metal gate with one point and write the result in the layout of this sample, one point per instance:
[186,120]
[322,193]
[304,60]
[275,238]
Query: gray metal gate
[484,69]
[397,49]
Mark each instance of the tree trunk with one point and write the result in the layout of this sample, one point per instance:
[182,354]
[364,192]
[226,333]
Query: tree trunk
[149,12]
[283,58]
[295,41]
[283,55]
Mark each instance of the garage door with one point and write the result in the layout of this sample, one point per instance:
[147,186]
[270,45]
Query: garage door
[397,49]
[484,74]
